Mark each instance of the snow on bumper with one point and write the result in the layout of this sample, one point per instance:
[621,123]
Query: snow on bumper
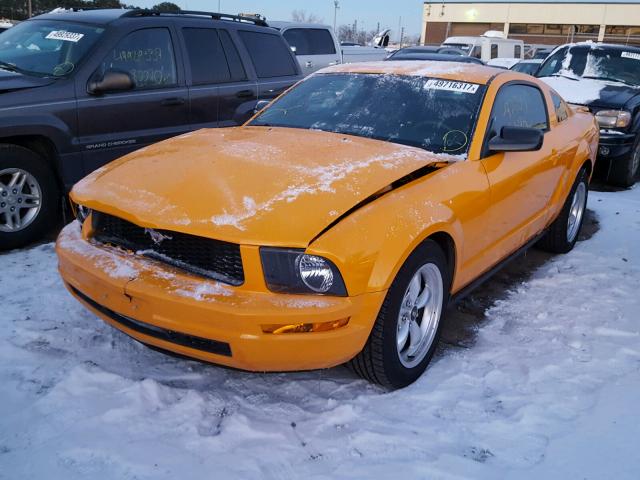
[163,306]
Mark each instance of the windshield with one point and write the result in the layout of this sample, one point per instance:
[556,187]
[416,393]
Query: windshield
[597,62]
[437,115]
[465,47]
[46,48]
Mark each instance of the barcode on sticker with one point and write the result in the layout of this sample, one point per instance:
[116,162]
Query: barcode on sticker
[64,35]
[434,84]
[635,56]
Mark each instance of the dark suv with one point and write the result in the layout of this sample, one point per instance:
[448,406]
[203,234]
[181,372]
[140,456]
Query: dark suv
[79,89]
[606,79]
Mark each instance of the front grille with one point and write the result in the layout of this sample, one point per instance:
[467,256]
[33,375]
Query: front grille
[203,256]
[179,338]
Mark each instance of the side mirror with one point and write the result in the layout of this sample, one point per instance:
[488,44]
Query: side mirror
[112,81]
[260,105]
[294,49]
[517,139]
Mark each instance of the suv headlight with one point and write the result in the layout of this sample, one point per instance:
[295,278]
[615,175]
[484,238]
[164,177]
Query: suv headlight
[293,271]
[613,118]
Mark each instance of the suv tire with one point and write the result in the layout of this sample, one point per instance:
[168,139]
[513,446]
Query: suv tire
[623,172]
[29,196]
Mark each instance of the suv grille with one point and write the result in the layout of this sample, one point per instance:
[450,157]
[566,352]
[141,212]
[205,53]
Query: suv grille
[203,256]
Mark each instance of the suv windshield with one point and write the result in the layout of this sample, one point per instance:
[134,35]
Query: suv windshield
[598,62]
[437,115]
[46,48]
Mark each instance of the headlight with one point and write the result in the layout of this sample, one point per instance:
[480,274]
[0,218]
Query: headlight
[293,271]
[613,118]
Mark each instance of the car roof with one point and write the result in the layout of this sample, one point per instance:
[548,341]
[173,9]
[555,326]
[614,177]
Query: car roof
[468,72]
[97,16]
[613,46]
[280,24]
[436,57]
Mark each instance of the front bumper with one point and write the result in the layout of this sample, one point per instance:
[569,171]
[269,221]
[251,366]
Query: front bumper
[615,146]
[165,307]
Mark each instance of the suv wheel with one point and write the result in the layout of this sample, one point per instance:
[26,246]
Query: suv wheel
[623,172]
[28,196]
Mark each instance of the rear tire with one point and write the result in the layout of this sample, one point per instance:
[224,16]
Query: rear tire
[623,172]
[388,360]
[29,197]
[564,231]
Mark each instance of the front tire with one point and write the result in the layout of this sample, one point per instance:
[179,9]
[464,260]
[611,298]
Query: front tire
[623,171]
[406,332]
[563,233]
[29,196]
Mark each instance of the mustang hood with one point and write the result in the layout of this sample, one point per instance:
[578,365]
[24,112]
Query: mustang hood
[16,81]
[251,185]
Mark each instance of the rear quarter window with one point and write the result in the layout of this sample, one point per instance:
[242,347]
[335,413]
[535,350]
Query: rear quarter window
[270,54]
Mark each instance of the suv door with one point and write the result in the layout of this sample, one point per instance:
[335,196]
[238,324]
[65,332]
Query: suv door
[521,183]
[314,48]
[220,92]
[272,60]
[116,123]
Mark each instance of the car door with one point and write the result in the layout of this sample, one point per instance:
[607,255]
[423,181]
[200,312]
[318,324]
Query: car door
[220,93]
[521,183]
[314,48]
[115,123]
[272,61]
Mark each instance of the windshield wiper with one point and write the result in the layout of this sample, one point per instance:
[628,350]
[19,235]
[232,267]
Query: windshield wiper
[8,66]
[563,76]
[609,79]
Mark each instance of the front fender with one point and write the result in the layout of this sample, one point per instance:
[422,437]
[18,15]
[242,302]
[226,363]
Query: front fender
[370,245]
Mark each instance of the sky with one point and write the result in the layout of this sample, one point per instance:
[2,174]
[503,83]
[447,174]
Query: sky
[367,12]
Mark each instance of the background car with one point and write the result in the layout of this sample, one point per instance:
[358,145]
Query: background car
[529,67]
[80,89]
[427,49]
[335,225]
[605,78]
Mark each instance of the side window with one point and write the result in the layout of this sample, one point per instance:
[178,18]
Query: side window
[236,68]
[518,106]
[147,55]
[494,50]
[206,57]
[517,51]
[269,54]
[298,38]
[560,106]
[310,41]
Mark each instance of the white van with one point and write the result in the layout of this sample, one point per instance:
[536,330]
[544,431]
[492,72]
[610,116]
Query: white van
[488,46]
[317,47]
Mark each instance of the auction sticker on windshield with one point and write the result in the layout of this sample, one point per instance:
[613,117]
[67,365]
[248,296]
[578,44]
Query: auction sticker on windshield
[64,35]
[435,84]
[635,56]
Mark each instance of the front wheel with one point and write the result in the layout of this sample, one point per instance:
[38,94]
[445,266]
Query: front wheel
[405,334]
[563,233]
[28,196]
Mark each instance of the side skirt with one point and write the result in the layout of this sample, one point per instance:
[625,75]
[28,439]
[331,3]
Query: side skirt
[465,291]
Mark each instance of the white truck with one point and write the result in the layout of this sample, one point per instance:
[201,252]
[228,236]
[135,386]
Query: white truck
[316,46]
[488,46]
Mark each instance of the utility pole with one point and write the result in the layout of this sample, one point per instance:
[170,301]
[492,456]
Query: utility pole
[336,6]
[30,10]
[219,6]
[401,36]
[400,28]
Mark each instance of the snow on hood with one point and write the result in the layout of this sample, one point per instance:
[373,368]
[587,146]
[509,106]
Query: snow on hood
[255,185]
[581,91]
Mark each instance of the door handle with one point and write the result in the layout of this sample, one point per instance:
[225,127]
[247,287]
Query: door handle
[169,102]
[245,94]
[309,64]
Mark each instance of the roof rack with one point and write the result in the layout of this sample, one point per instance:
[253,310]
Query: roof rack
[146,12]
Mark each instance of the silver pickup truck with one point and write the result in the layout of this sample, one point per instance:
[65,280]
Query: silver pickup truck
[316,46]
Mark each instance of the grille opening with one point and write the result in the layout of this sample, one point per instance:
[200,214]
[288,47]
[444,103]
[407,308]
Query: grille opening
[206,257]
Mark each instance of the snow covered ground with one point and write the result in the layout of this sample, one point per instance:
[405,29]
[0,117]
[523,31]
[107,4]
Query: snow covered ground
[538,377]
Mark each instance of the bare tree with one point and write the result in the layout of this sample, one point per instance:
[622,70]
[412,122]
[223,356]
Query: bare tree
[303,17]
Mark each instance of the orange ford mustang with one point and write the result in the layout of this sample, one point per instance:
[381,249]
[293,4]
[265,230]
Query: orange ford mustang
[337,223]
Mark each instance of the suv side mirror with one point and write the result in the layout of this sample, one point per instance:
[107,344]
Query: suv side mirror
[517,139]
[294,49]
[260,105]
[112,81]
